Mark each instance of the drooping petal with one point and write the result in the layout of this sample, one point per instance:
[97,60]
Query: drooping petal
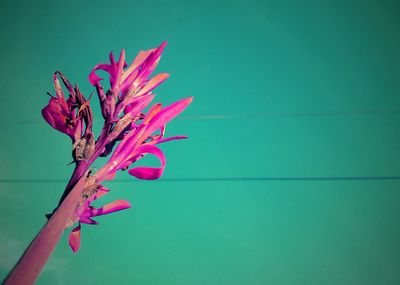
[146,173]
[111,207]
[149,173]
[74,239]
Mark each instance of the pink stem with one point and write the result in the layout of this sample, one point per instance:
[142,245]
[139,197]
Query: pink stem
[29,266]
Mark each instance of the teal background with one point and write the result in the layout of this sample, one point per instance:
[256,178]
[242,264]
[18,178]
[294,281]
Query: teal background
[290,175]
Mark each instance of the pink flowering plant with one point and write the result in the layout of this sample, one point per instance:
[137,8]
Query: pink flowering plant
[128,134]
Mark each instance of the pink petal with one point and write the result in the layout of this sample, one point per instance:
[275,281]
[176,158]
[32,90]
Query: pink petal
[138,104]
[151,61]
[152,112]
[101,191]
[74,239]
[163,140]
[149,173]
[111,207]
[165,115]
[146,173]
[94,78]
[140,58]
[120,69]
[47,115]
[87,220]
[57,87]
[153,83]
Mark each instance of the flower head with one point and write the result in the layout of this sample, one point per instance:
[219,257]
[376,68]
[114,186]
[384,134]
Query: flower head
[129,133]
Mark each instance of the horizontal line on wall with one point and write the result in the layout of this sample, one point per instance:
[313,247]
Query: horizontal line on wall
[250,116]
[222,179]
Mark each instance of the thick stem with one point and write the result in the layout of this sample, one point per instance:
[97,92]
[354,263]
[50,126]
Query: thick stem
[83,165]
[29,266]
[79,171]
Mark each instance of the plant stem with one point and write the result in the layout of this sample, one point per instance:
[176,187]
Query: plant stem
[31,263]
[33,260]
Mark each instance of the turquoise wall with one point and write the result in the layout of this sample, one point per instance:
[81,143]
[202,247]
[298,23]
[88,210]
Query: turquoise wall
[291,174]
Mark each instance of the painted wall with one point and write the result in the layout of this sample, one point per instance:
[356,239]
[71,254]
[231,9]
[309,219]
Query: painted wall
[291,174]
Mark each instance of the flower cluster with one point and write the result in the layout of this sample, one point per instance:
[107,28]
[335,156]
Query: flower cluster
[128,134]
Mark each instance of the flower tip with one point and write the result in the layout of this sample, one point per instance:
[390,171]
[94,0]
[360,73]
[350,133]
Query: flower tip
[122,55]
[112,59]
[160,49]
[94,79]
[187,101]
[127,204]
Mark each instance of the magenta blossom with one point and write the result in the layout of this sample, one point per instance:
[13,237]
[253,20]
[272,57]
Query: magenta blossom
[129,133]
[61,114]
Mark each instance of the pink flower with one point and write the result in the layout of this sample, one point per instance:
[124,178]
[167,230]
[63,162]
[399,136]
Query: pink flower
[133,133]
[61,113]
[85,213]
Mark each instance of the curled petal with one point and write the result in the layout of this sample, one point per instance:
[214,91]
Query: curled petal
[146,173]
[74,239]
[94,79]
[149,173]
